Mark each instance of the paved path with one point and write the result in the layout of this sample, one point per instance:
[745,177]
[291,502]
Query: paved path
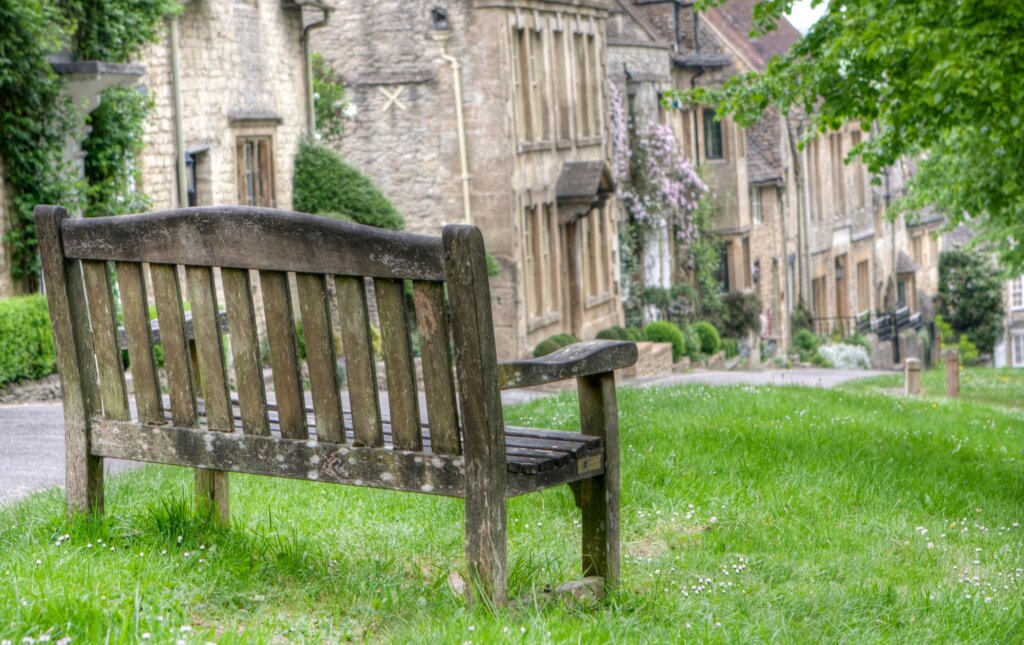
[32,434]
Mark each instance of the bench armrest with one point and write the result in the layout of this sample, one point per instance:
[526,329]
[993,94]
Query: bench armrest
[578,359]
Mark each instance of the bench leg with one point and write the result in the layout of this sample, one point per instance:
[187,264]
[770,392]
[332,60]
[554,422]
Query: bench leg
[212,492]
[599,496]
[486,547]
[83,477]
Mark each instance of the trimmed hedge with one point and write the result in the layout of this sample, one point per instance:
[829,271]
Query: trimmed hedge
[26,339]
[665,332]
[710,341]
[613,333]
[324,184]
[553,343]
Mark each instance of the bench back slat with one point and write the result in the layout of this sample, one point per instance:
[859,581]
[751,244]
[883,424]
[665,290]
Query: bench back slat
[438,378]
[173,339]
[113,394]
[254,238]
[284,354]
[135,309]
[321,359]
[212,376]
[360,364]
[403,397]
[245,350]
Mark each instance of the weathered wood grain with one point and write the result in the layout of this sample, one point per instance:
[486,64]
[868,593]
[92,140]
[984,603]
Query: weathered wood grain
[211,486]
[177,362]
[83,471]
[314,306]
[435,354]
[255,238]
[135,308]
[360,364]
[284,354]
[245,350]
[576,360]
[482,422]
[103,320]
[599,496]
[403,397]
[296,459]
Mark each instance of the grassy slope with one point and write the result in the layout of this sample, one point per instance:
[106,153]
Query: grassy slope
[800,515]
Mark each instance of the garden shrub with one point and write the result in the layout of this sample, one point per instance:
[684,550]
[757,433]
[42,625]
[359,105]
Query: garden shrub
[731,347]
[858,340]
[323,183]
[806,344]
[26,339]
[635,334]
[968,350]
[846,356]
[665,332]
[710,341]
[692,347]
[741,314]
[613,333]
[553,343]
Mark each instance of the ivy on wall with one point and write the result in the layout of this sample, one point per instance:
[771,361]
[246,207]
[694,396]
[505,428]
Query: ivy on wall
[333,109]
[112,172]
[36,116]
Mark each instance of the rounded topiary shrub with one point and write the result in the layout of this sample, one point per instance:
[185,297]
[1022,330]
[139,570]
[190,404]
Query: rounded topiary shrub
[554,343]
[710,341]
[665,332]
[325,184]
[635,334]
[613,333]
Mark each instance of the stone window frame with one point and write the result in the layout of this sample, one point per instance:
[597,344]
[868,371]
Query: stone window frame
[1017,348]
[264,167]
[1017,293]
[835,145]
[562,80]
[541,242]
[596,256]
[711,131]
[863,286]
[756,210]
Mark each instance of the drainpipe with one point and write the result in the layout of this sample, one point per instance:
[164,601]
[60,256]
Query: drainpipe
[307,58]
[693,80]
[179,125]
[441,37]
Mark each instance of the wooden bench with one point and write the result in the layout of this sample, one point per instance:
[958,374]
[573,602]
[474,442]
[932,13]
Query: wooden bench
[461,449]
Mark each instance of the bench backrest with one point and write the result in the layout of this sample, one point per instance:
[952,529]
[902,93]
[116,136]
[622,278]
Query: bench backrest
[320,259]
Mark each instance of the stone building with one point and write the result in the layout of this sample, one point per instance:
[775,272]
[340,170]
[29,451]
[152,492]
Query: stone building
[798,225]
[230,111]
[493,113]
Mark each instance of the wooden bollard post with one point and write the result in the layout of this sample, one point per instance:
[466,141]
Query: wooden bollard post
[912,380]
[953,373]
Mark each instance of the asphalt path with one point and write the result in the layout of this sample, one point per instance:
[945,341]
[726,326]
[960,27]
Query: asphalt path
[32,434]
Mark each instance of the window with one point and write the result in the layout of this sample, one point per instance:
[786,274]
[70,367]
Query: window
[747,281]
[819,289]
[838,176]
[584,81]
[901,294]
[859,183]
[521,84]
[255,172]
[916,250]
[1017,293]
[540,101]
[755,205]
[540,263]
[1018,349]
[563,93]
[863,286]
[190,174]
[712,135]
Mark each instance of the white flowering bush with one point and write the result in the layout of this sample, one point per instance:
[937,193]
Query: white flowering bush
[844,356]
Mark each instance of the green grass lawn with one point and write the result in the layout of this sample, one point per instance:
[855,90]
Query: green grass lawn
[1002,387]
[749,514]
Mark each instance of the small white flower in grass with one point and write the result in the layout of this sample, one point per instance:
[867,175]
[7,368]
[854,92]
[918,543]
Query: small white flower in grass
[159,618]
[988,598]
[28,640]
[713,520]
[88,546]
[186,554]
[350,110]
[931,546]
[39,561]
[146,636]
[164,552]
[5,642]
[522,630]
[43,638]
[472,628]
[202,547]
[64,641]
[185,628]
[179,539]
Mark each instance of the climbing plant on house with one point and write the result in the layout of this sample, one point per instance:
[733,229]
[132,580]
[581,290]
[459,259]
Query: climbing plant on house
[333,109]
[112,171]
[659,188]
[36,116]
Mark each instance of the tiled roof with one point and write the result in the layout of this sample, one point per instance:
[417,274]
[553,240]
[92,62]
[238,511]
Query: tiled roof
[764,158]
[734,20]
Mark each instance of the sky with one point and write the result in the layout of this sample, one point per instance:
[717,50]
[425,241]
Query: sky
[803,16]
